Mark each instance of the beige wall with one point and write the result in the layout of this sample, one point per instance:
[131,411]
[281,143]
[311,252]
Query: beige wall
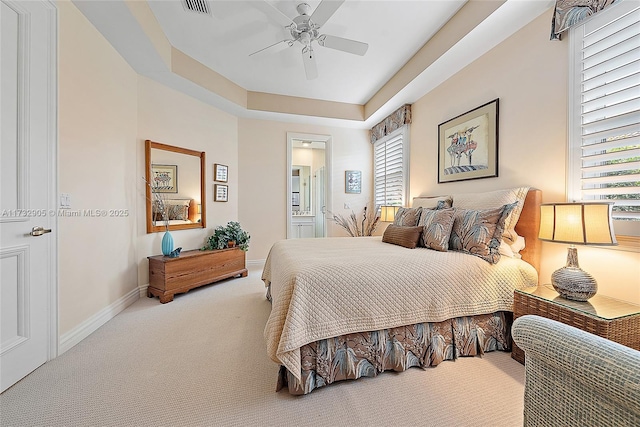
[106,111]
[97,105]
[528,73]
[262,153]
[168,116]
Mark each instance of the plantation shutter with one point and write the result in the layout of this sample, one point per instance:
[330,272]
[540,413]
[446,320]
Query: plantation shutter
[607,88]
[388,170]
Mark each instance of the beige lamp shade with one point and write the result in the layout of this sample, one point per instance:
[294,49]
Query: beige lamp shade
[388,213]
[577,223]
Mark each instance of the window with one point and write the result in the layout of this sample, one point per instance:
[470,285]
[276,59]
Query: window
[390,168]
[604,119]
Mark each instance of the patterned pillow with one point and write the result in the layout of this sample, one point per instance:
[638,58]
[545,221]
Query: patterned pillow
[436,228]
[439,202]
[479,232]
[402,236]
[407,217]
[496,199]
[179,212]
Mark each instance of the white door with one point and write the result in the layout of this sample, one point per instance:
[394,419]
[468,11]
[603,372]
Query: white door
[28,327]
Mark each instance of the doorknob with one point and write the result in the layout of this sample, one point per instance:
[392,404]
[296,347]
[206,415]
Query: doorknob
[39,231]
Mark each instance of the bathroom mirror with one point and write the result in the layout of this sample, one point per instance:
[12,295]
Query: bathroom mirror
[177,177]
[308,184]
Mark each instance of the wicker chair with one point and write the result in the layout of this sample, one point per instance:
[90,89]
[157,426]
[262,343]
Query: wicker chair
[574,378]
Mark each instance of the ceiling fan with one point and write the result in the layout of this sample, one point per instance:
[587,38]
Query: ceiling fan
[305,29]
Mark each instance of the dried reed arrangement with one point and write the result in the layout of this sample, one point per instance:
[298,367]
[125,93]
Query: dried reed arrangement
[356,227]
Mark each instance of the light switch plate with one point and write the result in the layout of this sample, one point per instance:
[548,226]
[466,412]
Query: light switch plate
[65,201]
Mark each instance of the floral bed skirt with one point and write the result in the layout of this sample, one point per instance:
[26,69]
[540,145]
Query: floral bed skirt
[365,354]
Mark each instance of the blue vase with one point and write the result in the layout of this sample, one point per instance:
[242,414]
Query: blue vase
[167,243]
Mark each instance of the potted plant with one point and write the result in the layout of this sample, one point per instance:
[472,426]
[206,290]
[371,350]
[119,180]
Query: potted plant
[223,236]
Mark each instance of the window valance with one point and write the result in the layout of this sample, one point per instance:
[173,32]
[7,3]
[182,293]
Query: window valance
[397,119]
[568,13]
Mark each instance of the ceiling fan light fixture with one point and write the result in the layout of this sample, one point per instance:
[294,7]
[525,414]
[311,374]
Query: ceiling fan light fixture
[305,27]
[305,38]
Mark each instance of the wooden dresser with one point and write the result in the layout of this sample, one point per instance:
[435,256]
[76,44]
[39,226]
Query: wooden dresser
[170,276]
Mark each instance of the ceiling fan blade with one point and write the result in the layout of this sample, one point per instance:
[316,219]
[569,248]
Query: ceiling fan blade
[310,67]
[324,11]
[345,45]
[273,13]
[274,48]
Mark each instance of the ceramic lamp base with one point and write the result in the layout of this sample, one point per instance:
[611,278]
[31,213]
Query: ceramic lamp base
[573,283]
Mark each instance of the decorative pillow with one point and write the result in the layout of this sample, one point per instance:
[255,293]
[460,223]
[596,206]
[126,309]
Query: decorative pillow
[407,217]
[439,202]
[496,199]
[402,236]
[479,232]
[179,212]
[436,228]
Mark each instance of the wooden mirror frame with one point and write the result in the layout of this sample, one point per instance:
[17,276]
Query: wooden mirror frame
[148,145]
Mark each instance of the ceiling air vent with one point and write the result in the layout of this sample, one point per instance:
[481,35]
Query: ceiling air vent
[197,6]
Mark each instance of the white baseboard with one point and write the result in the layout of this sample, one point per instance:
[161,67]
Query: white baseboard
[90,325]
[256,262]
[143,290]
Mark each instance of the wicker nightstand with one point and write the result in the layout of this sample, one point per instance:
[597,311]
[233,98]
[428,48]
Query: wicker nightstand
[609,318]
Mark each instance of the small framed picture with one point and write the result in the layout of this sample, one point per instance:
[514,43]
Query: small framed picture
[220,193]
[220,173]
[164,178]
[352,182]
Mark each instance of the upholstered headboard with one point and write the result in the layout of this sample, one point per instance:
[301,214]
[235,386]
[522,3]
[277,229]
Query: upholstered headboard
[528,226]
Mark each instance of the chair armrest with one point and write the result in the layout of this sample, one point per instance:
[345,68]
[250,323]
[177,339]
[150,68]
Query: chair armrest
[578,367]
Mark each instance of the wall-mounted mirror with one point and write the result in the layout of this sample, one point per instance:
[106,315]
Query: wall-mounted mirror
[175,187]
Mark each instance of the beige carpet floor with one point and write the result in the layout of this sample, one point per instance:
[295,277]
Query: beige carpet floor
[201,361]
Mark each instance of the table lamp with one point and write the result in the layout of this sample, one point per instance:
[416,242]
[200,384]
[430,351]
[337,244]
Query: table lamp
[388,213]
[576,224]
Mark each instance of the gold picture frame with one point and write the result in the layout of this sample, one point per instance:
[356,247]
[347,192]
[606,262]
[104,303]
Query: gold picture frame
[220,193]
[220,173]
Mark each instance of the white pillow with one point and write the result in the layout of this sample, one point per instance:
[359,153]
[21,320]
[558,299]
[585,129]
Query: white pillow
[518,245]
[505,249]
[496,199]
[512,251]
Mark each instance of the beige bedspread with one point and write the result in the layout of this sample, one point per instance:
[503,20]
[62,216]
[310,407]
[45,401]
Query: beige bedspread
[324,288]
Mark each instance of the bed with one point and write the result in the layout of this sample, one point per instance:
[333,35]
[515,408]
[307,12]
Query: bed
[179,211]
[346,308]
